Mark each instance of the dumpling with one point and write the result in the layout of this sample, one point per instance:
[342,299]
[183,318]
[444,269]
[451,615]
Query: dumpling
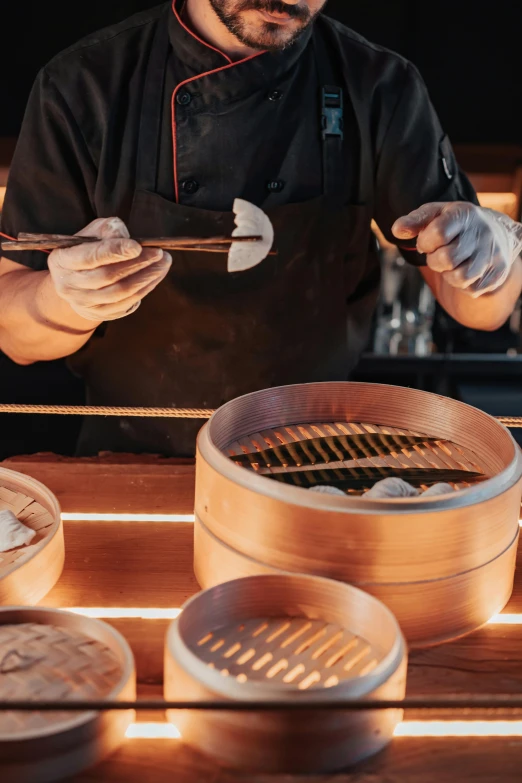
[13,533]
[328,491]
[250,221]
[438,489]
[390,488]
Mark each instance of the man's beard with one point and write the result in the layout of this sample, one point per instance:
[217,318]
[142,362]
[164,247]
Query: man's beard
[270,36]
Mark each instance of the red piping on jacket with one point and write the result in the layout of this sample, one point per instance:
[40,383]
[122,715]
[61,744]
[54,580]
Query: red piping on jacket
[192,79]
[200,40]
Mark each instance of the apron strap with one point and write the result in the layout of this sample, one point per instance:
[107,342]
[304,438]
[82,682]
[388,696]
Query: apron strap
[332,130]
[340,117]
[152,108]
[332,119]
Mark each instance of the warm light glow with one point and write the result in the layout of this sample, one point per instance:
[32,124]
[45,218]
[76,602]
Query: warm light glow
[154,613]
[409,728]
[502,202]
[506,619]
[152,731]
[2,196]
[84,517]
[459,728]
[80,517]
[124,613]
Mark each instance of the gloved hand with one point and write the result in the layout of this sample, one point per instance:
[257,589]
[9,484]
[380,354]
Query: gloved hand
[471,247]
[106,280]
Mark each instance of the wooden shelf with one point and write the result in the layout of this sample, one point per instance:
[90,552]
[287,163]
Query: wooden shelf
[120,567]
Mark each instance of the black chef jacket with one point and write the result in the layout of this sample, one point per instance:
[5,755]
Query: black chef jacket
[248,129]
[76,154]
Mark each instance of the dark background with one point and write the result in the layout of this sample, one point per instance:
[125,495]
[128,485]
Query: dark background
[469,54]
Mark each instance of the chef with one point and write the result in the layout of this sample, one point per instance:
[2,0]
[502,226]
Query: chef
[152,128]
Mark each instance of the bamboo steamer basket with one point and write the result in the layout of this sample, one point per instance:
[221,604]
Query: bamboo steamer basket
[28,573]
[283,638]
[443,565]
[215,562]
[49,654]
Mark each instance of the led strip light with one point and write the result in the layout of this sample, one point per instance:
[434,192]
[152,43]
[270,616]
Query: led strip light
[83,517]
[90,517]
[158,613]
[124,613]
[409,728]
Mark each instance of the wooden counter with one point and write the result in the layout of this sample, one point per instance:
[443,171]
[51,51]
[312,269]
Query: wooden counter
[124,567]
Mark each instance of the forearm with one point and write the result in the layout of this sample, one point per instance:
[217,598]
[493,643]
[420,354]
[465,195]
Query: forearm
[487,312]
[35,323]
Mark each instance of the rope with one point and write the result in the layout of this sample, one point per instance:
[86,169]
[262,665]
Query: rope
[515,422]
[463,702]
[153,413]
[92,410]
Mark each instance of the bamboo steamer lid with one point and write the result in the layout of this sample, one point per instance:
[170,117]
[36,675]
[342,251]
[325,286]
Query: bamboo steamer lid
[375,544]
[28,573]
[285,637]
[49,654]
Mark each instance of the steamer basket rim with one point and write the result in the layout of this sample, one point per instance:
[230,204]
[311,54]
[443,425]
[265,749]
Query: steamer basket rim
[227,688]
[259,484]
[20,482]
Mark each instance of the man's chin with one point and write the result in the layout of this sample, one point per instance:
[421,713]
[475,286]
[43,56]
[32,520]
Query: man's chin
[271,37]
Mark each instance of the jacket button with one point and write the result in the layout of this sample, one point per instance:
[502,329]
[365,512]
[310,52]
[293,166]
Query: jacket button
[190,186]
[275,186]
[275,95]
[183,98]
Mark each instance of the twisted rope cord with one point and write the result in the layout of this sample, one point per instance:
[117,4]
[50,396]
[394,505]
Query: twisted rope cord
[514,422]
[94,410]
[154,413]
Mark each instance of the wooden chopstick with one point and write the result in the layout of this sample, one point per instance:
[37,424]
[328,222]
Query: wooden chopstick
[145,241]
[57,241]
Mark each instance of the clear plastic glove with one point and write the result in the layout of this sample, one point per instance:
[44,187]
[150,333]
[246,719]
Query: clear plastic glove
[106,280]
[471,247]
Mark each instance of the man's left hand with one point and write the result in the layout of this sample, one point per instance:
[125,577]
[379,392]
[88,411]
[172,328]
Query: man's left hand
[472,248]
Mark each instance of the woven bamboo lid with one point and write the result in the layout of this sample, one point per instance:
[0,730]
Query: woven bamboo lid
[48,654]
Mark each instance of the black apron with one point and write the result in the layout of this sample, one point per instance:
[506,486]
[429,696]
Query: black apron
[205,336]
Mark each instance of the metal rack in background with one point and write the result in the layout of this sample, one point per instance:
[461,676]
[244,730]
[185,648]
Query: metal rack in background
[409,322]
[460,702]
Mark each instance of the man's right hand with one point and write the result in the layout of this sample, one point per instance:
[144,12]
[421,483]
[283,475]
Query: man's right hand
[106,280]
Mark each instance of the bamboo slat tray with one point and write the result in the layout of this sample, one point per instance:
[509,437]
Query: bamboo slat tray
[444,565]
[282,638]
[439,455]
[28,573]
[50,654]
